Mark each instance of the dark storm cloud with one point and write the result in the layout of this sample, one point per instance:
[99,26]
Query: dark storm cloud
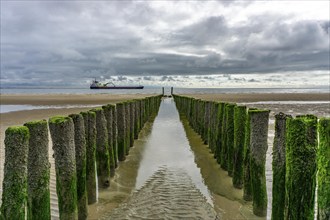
[208,31]
[70,41]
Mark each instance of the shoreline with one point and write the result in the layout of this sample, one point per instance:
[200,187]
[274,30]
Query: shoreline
[66,99]
[262,97]
[100,99]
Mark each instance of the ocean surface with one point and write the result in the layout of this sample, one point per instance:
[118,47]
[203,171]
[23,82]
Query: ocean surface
[158,90]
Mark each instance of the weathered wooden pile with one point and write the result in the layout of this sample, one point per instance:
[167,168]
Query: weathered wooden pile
[237,136]
[86,146]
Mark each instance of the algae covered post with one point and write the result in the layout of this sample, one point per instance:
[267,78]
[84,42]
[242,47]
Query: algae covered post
[121,125]
[278,202]
[218,140]
[90,132]
[15,173]
[247,186]
[300,182]
[80,148]
[258,145]
[239,135]
[212,128]
[62,133]
[132,120]
[323,193]
[224,148]
[38,171]
[206,124]
[230,137]
[108,109]
[136,118]
[102,151]
[127,127]
[114,135]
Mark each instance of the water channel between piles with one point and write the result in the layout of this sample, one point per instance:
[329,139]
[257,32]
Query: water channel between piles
[170,174]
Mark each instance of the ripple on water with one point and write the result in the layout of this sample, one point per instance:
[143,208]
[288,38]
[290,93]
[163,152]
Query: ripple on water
[168,194]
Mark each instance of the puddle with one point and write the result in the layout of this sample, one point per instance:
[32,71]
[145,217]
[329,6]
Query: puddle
[170,174]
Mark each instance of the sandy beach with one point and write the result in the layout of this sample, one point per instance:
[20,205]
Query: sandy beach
[319,106]
[56,105]
[258,97]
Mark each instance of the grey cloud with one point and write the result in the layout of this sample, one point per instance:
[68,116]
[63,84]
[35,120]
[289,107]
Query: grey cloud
[121,78]
[253,80]
[205,32]
[72,41]
[212,60]
[167,78]
[147,61]
[148,78]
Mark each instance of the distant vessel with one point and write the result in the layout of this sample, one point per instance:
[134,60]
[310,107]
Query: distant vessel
[98,85]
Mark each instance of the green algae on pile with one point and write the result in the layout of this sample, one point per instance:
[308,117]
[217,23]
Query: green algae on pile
[230,137]
[224,148]
[300,181]
[102,149]
[219,130]
[247,185]
[132,120]
[239,135]
[258,145]
[62,133]
[80,149]
[278,166]
[323,193]
[136,118]
[206,121]
[115,135]
[38,171]
[14,195]
[127,127]
[121,126]
[213,128]
[90,133]
[108,109]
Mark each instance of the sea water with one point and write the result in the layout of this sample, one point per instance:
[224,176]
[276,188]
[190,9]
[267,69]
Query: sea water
[15,108]
[158,90]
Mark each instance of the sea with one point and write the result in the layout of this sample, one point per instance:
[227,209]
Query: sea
[153,90]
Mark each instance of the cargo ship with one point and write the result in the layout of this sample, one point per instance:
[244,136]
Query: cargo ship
[98,85]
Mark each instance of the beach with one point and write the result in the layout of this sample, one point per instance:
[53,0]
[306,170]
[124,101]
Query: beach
[292,103]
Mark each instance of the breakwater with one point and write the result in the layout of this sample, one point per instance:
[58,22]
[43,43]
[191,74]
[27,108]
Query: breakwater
[86,152]
[298,157]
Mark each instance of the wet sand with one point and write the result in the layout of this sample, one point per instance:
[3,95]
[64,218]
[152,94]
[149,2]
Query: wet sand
[49,100]
[66,99]
[257,97]
[293,104]
[126,186]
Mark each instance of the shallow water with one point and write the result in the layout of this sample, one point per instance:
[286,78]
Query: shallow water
[170,174]
[15,108]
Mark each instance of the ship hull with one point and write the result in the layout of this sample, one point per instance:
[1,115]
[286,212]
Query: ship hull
[116,87]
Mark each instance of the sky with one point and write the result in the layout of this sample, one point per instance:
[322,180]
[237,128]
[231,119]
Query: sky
[166,43]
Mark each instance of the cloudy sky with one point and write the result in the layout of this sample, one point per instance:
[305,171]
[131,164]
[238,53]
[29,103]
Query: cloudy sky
[186,43]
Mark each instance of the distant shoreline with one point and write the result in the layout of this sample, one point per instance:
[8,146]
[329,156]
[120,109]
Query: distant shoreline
[158,90]
[100,99]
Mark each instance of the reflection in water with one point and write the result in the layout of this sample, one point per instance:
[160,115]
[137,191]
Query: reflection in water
[173,176]
[168,146]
